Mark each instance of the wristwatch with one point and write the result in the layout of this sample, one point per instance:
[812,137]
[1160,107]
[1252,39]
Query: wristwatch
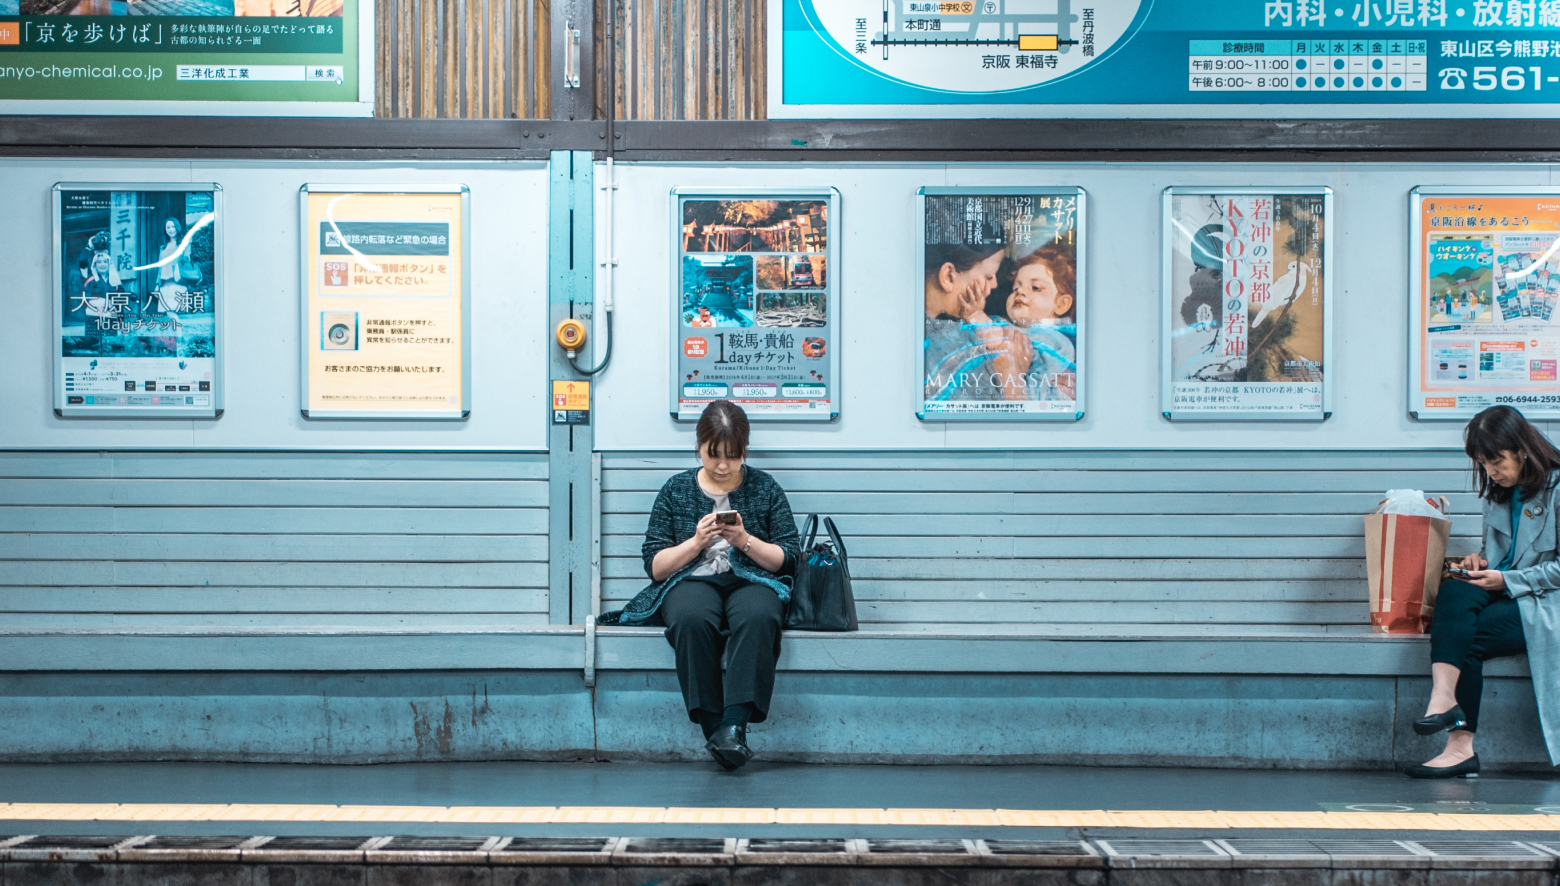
[749,543]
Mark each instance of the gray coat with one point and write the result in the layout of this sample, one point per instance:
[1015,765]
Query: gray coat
[1533,580]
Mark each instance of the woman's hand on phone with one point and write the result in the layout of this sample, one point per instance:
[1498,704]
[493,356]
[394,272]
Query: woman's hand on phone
[1491,580]
[1472,562]
[706,531]
[732,532]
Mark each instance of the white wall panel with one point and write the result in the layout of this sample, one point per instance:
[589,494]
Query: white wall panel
[508,311]
[881,294]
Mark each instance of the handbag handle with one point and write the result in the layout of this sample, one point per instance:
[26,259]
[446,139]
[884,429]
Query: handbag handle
[809,531]
[834,536]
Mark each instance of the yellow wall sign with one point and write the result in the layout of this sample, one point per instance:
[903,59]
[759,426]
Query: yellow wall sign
[571,402]
[386,316]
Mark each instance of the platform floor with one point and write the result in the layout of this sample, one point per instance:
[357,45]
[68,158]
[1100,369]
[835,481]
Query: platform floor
[762,800]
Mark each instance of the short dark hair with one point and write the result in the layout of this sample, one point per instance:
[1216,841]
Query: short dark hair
[1502,429]
[724,425]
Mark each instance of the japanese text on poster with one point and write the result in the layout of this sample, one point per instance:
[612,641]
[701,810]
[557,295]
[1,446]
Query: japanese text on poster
[1001,296]
[136,294]
[1246,280]
[384,325]
[1488,279]
[755,306]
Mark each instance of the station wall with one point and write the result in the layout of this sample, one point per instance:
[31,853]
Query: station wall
[508,309]
[880,306]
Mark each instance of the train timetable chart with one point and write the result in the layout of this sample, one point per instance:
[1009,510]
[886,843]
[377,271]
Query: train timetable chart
[1374,64]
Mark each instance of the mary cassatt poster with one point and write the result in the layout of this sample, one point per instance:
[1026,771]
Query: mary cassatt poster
[755,302]
[138,301]
[1246,304]
[1002,303]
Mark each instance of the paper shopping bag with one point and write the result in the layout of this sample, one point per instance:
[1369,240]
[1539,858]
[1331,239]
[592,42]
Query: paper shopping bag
[1404,558]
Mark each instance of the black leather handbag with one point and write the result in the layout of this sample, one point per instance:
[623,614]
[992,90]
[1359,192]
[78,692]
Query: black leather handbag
[821,599]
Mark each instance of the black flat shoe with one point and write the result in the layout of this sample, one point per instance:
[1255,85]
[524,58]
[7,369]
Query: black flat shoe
[1452,719]
[729,747]
[1468,768]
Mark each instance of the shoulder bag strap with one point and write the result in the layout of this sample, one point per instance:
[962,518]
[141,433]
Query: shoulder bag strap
[834,536]
[809,531]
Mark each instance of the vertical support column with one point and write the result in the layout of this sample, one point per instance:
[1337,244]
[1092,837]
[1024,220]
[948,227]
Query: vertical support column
[570,293]
[573,88]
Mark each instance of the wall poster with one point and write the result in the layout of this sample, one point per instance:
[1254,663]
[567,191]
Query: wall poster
[1002,304]
[1247,328]
[386,307]
[755,297]
[138,300]
[235,57]
[1484,282]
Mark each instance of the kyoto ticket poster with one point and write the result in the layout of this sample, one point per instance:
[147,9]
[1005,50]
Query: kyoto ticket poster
[138,301]
[754,302]
[386,308]
[1002,303]
[1487,277]
[1247,315]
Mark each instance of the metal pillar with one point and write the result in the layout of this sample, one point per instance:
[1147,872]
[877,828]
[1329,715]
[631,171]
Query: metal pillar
[570,291]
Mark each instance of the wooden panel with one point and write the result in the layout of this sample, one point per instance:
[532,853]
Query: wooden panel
[462,58]
[685,59]
[1014,539]
[116,541]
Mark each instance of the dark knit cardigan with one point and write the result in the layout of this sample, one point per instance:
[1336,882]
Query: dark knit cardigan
[677,511]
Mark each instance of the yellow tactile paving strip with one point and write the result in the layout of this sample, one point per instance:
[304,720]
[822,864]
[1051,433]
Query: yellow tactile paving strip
[1202,820]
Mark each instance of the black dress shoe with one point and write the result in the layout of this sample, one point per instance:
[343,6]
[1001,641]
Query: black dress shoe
[729,747]
[1468,768]
[1452,719]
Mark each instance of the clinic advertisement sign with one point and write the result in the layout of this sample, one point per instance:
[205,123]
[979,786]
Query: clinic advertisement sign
[1164,58]
[1485,285]
[755,297]
[294,57]
[138,301]
[386,320]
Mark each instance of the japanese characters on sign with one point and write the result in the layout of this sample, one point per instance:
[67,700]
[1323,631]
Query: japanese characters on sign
[1182,58]
[385,325]
[186,56]
[754,303]
[137,301]
[1002,303]
[1247,304]
[1487,276]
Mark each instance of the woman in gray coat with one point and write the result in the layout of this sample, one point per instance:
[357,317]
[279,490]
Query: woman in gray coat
[1499,602]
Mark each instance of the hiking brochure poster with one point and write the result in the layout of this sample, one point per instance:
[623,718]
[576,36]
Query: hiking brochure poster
[1002,302]
[1246,317]
[137,301]
[754,298]
[906,59]
[1484,325]
[294,57]
[385,321]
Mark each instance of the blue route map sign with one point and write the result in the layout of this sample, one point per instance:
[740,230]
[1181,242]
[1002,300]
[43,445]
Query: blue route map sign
[1135,58]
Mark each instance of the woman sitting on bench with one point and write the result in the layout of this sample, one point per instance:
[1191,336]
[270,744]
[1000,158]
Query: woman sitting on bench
[720,536]
[1499,602]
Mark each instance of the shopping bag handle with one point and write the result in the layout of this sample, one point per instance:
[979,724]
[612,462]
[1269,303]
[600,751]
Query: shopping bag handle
[1439,503]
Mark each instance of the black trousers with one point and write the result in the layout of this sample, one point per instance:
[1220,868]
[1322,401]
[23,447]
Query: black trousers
[712,614]
[1471,626]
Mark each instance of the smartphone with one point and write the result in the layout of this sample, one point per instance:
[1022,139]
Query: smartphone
[1456,571]
[727,518]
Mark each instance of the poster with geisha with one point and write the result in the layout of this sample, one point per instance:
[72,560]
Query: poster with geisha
[1001,313]
[754,302]
[138,300]
[1486,280]
[1247,317]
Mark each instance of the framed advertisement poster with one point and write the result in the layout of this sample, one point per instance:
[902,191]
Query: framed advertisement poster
[1001,314]
[386,301]
[1247,304]
[138,300]
[1483,282]
[755,297]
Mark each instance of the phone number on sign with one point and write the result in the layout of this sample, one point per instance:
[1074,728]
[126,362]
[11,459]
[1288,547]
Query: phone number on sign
[1529,398]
